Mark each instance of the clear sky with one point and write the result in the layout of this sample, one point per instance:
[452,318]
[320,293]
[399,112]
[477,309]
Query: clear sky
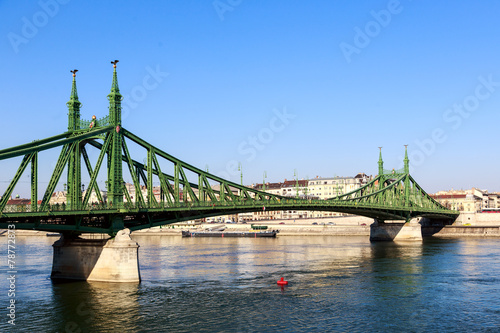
[277,85]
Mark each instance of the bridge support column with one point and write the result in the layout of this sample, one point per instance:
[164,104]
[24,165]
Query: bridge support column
[113,260]
[396,231]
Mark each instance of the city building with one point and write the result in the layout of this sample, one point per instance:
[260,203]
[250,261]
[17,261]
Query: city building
[59,197]
[17,205]
[325,188]
[288,188]
[317,188]
[473,200]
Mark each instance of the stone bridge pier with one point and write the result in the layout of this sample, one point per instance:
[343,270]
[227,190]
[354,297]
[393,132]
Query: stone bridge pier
[396,230]
[106,260]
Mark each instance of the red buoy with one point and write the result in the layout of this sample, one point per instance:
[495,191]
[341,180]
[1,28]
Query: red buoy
[282,282]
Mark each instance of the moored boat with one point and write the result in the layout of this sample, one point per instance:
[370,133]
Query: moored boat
[250,234]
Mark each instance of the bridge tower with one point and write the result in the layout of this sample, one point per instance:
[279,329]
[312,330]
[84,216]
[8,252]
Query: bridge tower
[115,174]
[380,167]
[74,194]
[407,180]
[113,260]
[408,230]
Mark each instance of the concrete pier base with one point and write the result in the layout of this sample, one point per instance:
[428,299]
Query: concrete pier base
[396,231]
[113,260]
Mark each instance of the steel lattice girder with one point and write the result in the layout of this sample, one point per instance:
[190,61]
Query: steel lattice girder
[370,200]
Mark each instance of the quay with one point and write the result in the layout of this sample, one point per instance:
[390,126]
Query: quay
[348,226]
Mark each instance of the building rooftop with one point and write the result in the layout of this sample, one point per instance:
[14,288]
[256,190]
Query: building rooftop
[292,183]
[18,201]
[448,196]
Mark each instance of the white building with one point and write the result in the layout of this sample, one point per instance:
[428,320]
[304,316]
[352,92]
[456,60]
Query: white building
[325,188]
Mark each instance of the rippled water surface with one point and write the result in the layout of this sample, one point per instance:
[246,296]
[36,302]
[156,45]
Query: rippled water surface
[344,284]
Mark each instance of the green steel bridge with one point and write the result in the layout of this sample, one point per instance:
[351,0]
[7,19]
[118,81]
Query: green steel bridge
[186,192]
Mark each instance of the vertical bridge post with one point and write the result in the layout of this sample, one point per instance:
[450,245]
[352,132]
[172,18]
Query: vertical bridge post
[115,173]
[74,194]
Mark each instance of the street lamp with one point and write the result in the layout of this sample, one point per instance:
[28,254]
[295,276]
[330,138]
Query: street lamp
[240,169]
[295,174]
[306,187]
[264,182]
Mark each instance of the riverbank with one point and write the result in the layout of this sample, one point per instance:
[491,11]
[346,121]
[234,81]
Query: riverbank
[340,226]
[284,230]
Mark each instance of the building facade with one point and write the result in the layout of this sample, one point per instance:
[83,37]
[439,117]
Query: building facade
[473,200]
[317,188]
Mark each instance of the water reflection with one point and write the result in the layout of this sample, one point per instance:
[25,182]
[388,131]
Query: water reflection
[95,306]
[185,260]
[396,268]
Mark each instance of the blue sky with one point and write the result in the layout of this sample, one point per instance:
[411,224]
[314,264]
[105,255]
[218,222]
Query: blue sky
[276,85]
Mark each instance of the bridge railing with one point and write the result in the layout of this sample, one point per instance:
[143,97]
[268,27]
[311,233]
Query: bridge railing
[17,209]
[162,205]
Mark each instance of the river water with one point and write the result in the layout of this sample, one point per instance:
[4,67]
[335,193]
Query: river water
[336,284]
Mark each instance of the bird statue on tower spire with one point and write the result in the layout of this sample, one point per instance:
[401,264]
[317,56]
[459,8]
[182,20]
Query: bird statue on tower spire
[73,106]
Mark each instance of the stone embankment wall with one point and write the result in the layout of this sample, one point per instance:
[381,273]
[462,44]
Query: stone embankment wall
[478,219]
[467,231]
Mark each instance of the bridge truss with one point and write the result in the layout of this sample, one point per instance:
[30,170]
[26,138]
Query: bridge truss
[184,192]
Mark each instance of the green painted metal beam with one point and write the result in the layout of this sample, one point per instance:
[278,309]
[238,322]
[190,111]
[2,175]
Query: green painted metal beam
[13,183]
[61,163]
[34,182]
[93,184]
[95,173]
[133,173]
[149,185]
[37,147]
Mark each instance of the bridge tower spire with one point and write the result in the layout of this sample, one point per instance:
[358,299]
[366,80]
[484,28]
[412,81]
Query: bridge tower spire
[380,169]
[380,163]
[406,161]
[74,194]
[115,174]
[73,106]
